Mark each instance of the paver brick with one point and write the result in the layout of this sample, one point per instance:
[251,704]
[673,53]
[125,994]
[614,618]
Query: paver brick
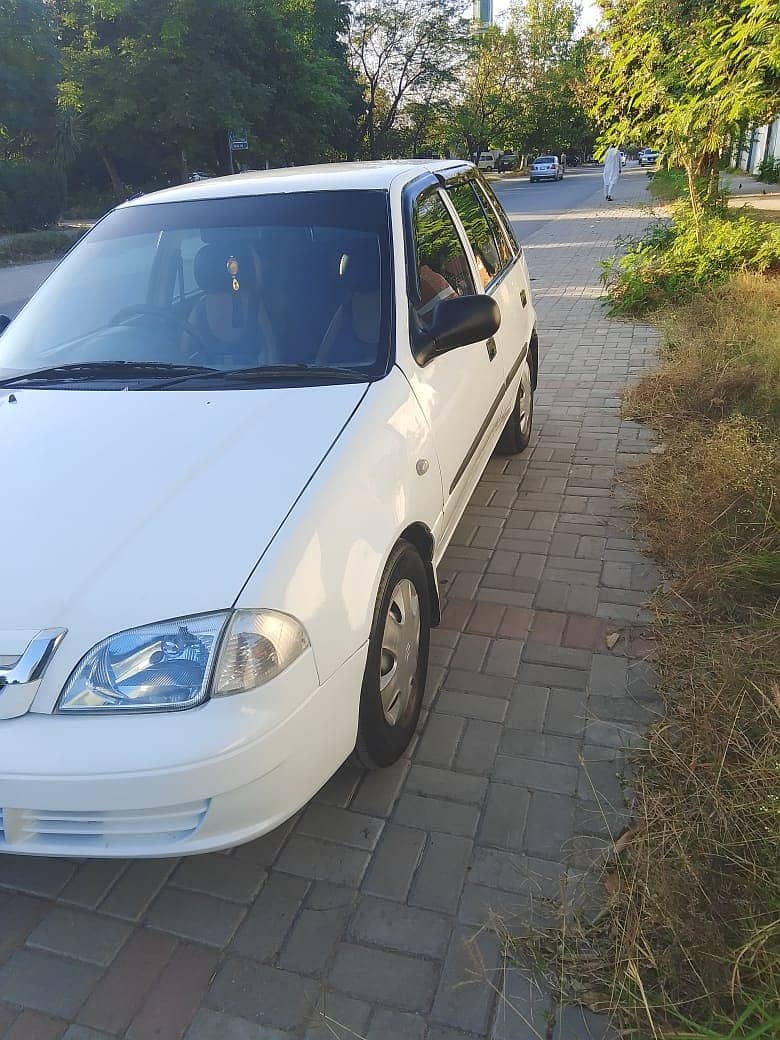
[136,888]
[395,862]
[31,1025]
[224,876]
[442,783]
[436,814]
[383,976]
[403,928]
[37,876]
[394,1025]
[313,938]
[528,707]
[471,706]
[466,991]
[478,748]
[216,1025]
[262,994]
[192,915]
[342,826]
[441,874]
[323,861]
[536,775]
[122,990]
[92,882]
[82,936]
[439,741]
[503,822]
[269,920]
[379,789]
[45,983]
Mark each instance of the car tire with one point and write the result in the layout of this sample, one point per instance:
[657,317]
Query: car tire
[397,662]
[516,435]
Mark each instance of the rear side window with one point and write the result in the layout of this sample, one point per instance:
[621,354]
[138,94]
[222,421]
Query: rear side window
[506,246]
[442,266]
[490,201]
[478,231]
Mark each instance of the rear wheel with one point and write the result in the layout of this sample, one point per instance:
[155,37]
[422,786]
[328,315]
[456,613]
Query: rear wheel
[516,434]
[397,663]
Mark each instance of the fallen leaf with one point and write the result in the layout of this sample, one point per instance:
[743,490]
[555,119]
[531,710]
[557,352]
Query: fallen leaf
[612,883]
[659,449]
[611,640]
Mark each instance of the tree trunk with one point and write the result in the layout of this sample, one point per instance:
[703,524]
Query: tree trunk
[117,186]
[696,203]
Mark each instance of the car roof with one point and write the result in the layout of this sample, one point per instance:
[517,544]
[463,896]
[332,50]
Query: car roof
[364,176]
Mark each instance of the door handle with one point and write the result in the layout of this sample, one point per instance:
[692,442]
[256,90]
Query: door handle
[492,349]
[523,297]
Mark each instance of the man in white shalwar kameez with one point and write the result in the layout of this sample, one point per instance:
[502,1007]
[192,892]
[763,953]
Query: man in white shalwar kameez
[611,171]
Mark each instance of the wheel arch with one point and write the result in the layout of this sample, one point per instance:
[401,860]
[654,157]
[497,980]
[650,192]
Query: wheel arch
[420,536]
[533,350]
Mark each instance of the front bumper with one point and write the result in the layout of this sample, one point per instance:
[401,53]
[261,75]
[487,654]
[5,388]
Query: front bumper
[174,784]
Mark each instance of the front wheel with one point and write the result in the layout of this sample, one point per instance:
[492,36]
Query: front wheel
[397,663]
[516,435]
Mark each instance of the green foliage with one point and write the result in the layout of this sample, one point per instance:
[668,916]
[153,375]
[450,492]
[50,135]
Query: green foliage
[37,245]
[687,76]
[668,185]
[669,263]
[769,171]
[28,74]
[32,195]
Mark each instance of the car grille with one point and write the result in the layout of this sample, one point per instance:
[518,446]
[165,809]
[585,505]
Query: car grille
[47,829]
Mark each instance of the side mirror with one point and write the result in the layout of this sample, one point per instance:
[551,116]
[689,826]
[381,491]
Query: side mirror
[457,322]
[5,321]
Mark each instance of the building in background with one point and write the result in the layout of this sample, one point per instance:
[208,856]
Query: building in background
[482,12]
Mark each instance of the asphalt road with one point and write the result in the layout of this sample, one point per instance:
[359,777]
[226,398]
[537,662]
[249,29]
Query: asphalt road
[529,206]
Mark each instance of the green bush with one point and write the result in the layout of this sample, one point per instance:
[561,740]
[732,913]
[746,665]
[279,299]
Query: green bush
[30,246]
[769,171]
[32,195]
[668,264]
[668,185]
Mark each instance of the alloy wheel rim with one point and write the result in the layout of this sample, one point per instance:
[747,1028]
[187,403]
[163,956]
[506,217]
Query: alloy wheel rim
[400,652]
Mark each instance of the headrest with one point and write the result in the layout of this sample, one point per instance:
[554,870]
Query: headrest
[212,263]
[359,264]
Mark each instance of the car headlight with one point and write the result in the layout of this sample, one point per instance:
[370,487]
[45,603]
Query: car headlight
[178,664]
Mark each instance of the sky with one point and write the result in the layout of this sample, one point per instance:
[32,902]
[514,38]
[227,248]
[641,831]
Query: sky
[590,11]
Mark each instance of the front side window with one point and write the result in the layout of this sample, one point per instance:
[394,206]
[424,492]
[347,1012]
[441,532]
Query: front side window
[478,231]
[442,267]
[217,286]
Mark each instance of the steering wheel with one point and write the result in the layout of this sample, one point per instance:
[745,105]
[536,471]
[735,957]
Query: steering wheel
[137,310]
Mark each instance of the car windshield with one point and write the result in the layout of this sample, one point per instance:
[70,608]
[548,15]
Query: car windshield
[278,282]
[545,159]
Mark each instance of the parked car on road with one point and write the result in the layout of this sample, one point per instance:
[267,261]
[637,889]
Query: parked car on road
[239,424]
[623,158]
[546,168]
[490,160]
[648,156]
[507,161]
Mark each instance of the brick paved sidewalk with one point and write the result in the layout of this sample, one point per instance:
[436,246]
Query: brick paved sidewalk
[358,917]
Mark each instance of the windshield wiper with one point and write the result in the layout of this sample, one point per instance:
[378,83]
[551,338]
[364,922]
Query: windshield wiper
[108,370]
[269,372]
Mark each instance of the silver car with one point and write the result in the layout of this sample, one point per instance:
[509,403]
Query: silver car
[546,168]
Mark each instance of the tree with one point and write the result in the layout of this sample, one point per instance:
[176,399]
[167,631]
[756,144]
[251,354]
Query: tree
[553,70]
[493,102]
[169,78]
[402,51]
[687,75]
[28,74]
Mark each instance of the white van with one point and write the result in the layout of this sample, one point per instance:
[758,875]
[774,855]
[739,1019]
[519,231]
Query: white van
[489,160]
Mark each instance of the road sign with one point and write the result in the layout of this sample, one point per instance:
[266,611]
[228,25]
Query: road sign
[238,140]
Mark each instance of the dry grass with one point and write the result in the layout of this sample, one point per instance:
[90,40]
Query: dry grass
[688,944]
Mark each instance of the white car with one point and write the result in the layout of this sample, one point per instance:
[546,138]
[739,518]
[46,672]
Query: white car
[239,424]
[489,160]
[546,168]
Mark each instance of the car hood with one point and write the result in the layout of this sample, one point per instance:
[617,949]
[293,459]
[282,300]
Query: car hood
[122,508]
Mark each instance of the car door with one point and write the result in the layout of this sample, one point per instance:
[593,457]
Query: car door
[460,391]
